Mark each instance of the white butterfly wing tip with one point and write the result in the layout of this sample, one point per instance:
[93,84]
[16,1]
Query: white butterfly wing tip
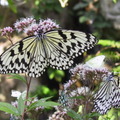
[96,62]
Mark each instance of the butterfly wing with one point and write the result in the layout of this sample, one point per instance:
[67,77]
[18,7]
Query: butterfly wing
[116,92]
[107,97]
[64,45]
[24,56]
[55,48]
[96,62]
[103,100]
[39,62]
[64,99]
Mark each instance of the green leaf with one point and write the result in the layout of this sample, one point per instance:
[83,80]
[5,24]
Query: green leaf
[74,115]
[37,2]
[17,76]
[83,19]
[51,76]
[90,115]
[111,43]
[46,98]
[12,6]
[59,74]
[77,97]
[51,73]
[45,90]
[6,107]
[80,5]
[115,1]
[42,103]
[21,105]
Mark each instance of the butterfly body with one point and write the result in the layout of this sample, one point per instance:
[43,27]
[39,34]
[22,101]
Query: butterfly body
[55,48]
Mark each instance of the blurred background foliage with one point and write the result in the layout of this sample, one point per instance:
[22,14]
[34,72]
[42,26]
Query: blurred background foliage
[85,15]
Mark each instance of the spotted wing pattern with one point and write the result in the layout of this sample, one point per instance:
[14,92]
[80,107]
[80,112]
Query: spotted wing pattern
[108,96]
[24,57]
[64,45]
[65,99]
[55,48]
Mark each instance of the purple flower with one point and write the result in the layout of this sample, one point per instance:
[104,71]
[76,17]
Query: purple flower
[68,84]
[47,25]
[23,23]
[6,31]
[88,75]
[31,29]
[59,115]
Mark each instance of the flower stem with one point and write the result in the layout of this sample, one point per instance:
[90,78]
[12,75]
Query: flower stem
[28,82]
[9,38]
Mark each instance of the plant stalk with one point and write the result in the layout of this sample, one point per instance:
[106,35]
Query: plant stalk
[28,82]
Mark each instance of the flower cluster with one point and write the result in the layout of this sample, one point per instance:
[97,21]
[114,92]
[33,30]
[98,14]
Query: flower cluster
[41,27]
[29,26]
[88,75]
[32,29]
[78,91]
[20,25]
[59,115]
[47,25]
[6,31]
[69,84]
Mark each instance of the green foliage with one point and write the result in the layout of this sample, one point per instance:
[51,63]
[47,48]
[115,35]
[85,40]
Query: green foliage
[91,115]
[111,43]
[44,91]
[77,116]
[115,1]
[17,76]
[74,115]
[55,74]
[21,105]
[88,15]
[42,102]
[78,97]
[110,49]
[81,5]
[43,6]
[112,114]
[6,107]
[12,6]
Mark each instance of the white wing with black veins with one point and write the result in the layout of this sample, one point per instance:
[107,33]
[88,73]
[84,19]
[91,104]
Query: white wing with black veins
[108,96]
[55,48]
[64,45]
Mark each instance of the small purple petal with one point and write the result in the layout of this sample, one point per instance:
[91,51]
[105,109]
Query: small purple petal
[23,23]
[6,31]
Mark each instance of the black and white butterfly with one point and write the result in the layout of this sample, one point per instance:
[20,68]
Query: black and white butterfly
[108,95]
[65,99]
[55,48]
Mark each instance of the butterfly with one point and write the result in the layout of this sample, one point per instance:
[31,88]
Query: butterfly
[108,96]
[55,48]
[96,62]
[64,99]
